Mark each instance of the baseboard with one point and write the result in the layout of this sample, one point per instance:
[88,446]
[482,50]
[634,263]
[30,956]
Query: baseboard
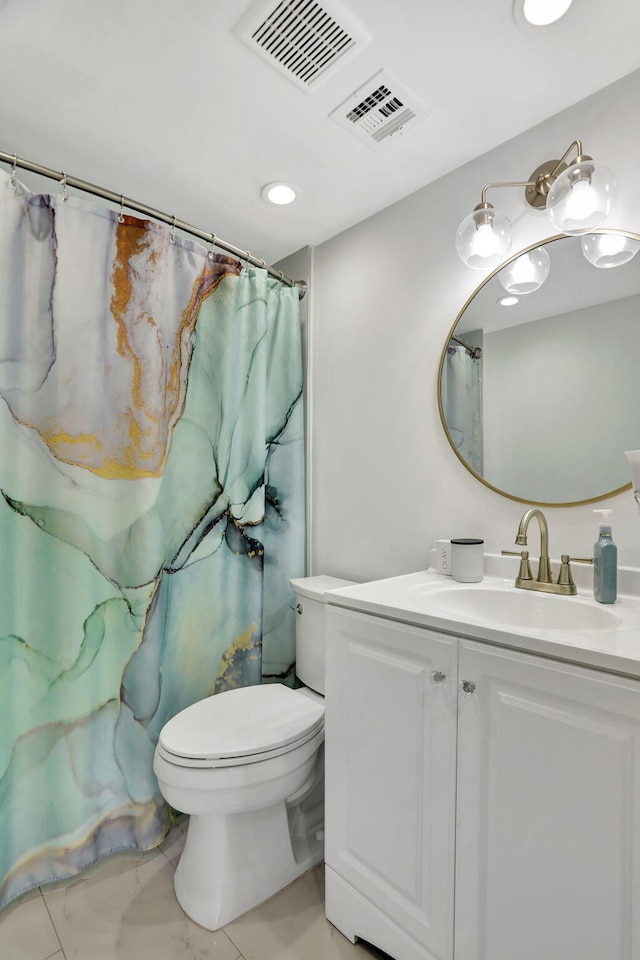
[357,918]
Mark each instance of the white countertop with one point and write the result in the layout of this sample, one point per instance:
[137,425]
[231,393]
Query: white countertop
[405,598]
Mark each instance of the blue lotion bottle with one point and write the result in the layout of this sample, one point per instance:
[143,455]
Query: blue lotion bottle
[605,562]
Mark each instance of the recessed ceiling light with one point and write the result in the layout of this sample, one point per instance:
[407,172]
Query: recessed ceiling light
[508,301]
[279,192]
[540,13]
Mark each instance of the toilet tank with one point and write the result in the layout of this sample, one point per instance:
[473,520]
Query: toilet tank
[310,627]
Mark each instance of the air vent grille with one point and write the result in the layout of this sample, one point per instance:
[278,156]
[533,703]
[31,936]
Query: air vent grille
[400,120]
[378,109]
[367,105]
[303,38]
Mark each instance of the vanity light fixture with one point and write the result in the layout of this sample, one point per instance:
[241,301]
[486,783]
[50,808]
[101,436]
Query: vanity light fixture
[576,195]
[606,250]
[279,192]
[526,273]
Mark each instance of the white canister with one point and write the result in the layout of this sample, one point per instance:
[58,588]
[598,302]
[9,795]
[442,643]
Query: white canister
[467,560]
[443,557]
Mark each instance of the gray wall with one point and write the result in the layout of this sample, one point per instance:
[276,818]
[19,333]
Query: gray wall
[564,390]
[384,295]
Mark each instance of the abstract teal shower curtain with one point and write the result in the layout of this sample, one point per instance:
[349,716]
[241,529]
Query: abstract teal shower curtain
[151,471]
[462,403]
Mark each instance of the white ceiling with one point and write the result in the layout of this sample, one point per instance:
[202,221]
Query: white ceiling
[161,101]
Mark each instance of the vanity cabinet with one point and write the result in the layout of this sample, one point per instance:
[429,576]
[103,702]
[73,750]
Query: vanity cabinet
[482,803]
[390,746]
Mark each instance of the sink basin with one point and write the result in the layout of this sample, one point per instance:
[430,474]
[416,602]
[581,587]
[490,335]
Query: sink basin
[506,606]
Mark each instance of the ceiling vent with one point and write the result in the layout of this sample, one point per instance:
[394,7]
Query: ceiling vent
[378,109]
[303,39]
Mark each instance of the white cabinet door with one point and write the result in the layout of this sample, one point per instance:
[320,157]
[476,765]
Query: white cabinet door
[548,844]
[390,770]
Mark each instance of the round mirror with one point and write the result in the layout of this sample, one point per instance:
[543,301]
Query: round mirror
[539,393]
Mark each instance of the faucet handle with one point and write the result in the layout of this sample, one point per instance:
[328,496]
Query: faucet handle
[564,577]
[525,568]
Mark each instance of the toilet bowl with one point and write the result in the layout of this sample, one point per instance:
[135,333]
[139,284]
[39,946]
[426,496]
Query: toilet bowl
[247,766]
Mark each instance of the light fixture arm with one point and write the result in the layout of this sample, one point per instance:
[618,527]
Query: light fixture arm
[506,183]
[579,156]
[541,179]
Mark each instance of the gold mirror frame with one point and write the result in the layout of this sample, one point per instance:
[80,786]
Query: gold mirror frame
[443,356]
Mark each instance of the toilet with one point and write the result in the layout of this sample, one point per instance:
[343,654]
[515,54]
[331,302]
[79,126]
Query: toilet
[247,766]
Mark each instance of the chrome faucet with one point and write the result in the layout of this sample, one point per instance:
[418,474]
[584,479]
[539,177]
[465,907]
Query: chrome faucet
[544,581]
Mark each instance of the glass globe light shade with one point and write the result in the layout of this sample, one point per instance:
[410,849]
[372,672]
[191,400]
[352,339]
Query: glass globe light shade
[580,198]
[484,238]
[605,250]
[526,273]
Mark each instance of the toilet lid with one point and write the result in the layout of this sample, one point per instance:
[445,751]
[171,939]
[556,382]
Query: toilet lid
[241,723]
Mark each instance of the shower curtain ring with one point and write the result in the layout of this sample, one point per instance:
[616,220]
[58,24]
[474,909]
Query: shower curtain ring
[65,195]
[12,179]
[246,261]
[172,235]
[121,216]
[211,254]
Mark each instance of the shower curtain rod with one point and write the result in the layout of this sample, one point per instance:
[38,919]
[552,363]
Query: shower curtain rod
[123,201]
[476,352]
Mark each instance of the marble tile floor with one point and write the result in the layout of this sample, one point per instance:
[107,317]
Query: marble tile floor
[124,908]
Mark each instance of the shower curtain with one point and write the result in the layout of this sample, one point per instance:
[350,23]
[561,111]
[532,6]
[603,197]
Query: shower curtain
[151,470]
[462,403]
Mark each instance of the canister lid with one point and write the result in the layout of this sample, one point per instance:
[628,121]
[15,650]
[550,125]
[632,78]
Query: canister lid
[467,541]
[242,722]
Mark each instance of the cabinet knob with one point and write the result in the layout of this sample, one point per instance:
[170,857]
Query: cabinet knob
[468,686]
[438,676]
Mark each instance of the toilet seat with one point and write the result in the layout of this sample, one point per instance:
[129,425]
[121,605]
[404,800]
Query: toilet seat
[242,726]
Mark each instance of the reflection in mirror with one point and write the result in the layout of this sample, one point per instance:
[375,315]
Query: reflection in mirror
[540,399]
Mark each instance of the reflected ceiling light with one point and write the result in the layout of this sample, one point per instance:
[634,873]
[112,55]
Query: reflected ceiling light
[576,195]
[279,192]
[606,250]
[526,273]
[508,301]
[540,13]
